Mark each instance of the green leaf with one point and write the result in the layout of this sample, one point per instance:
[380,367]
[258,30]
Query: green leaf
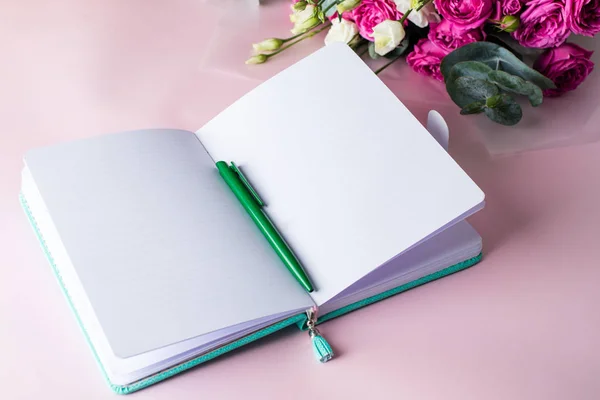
[494,101]
[515,84]
[398,51]
[501,39]
[325,5]
[509,82]
[321,16]
[372,53]
[465,90]
[473,108]
[507,112]
[495,57]
[474,69]
[536,97]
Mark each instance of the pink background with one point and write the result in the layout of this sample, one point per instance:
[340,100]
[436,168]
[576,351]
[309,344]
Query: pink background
[523,324]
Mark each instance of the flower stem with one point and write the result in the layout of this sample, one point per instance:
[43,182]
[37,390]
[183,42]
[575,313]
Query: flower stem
[299,34]
[308,34]
[424,4]
[388,64]
[356,42]
[405,16]
[294,37]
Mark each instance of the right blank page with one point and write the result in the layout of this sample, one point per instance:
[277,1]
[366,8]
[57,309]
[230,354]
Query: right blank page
[349,176]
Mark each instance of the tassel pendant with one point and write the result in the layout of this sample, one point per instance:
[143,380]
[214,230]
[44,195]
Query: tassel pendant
[322,349]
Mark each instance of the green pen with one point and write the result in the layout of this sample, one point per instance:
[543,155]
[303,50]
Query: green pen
[253,205]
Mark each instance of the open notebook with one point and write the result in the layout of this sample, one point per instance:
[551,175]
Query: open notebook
[165,269]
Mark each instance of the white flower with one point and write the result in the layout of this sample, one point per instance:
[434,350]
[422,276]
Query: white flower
[299,6]
[268,45]
[403,5]
[305,19]
[388,35]
[257,59]
[420,18]
[341,31]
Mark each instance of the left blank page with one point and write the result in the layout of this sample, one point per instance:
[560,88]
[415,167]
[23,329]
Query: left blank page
[163,250]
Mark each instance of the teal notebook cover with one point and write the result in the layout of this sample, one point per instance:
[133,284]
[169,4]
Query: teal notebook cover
[299,320]
[364,185]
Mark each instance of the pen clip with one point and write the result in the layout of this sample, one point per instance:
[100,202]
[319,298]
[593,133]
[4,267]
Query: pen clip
[247,184]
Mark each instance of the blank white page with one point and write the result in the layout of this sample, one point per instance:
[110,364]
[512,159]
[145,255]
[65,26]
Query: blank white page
[163,250]
[349,176]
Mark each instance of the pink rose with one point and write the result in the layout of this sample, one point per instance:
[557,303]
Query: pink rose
[370,13]
[469,13]
[426,58]
[583,16]
[543,24]
[506,7]
[567,66]
[449,36]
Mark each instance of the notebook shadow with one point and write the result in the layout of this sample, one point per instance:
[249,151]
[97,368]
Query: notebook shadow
[510,187]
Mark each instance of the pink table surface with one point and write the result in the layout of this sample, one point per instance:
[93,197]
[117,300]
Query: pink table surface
[524,324]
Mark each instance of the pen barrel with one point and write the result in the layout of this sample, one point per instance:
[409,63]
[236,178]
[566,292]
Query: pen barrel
[264,224]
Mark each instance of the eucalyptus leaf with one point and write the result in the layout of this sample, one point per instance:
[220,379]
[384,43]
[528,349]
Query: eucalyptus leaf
[372,53]
[518,85]
[502,39]
[473,108]
[494,101]
[325,5]
[507,112]
[465,90]
[495,57]
[536,97]
[474,69]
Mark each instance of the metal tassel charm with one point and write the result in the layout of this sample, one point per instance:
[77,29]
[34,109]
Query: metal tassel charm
[322,349]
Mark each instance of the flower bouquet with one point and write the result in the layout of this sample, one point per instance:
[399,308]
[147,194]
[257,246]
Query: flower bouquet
[487,52]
